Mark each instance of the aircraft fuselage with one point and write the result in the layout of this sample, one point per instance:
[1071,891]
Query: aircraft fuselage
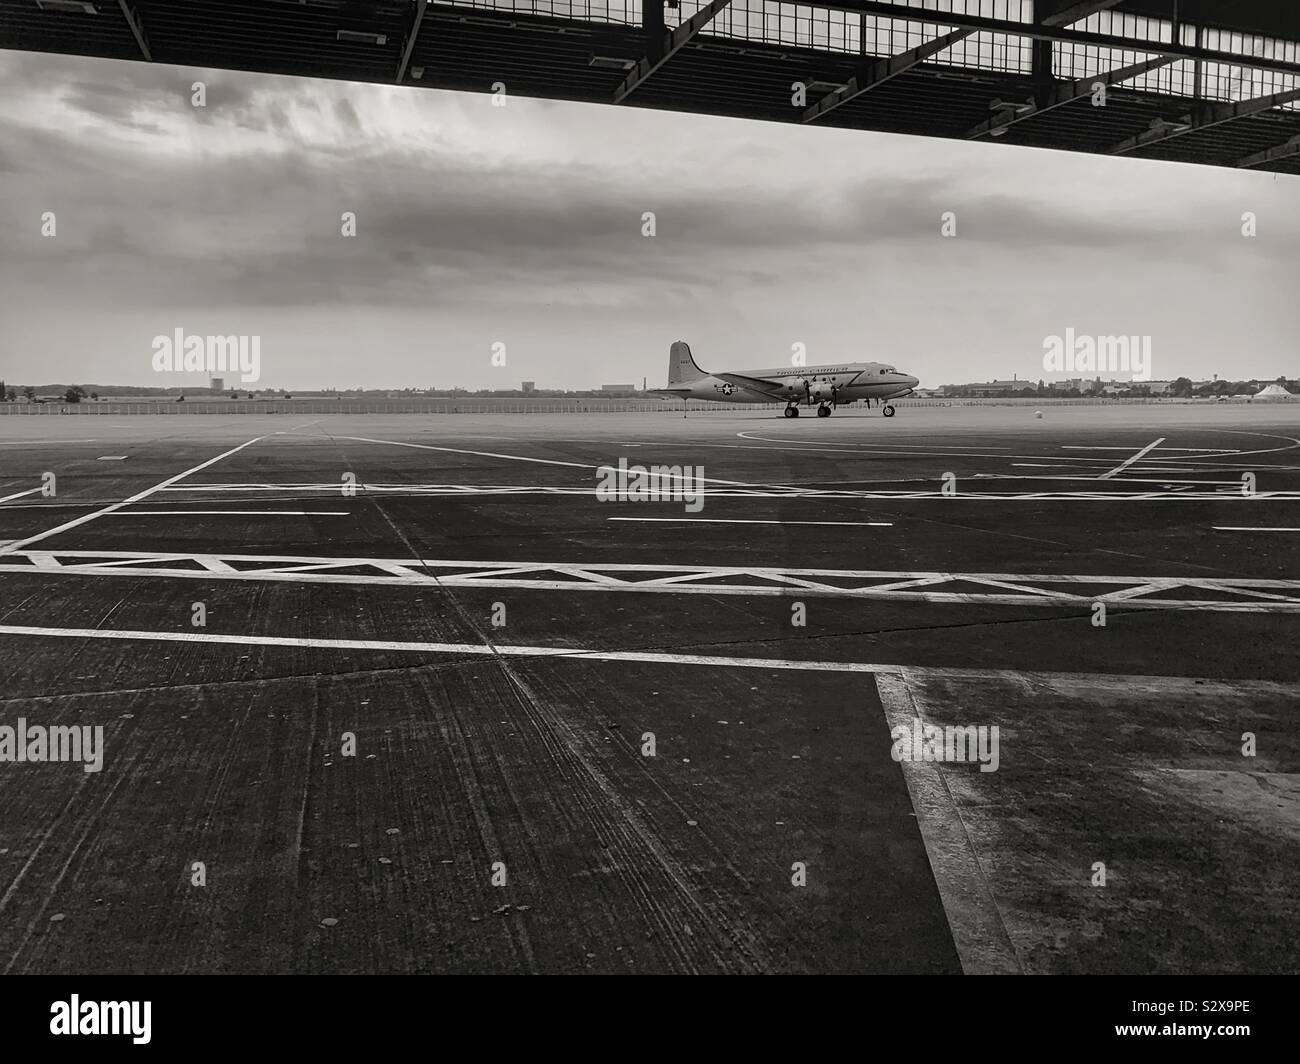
[845,383]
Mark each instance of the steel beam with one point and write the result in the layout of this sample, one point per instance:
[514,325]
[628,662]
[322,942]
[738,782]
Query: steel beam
[1040,32]
[420,7]
[1068,92]
[137,31]
[880,71]
[672,44]
[1205,118]
[1272,155]
[1078,11]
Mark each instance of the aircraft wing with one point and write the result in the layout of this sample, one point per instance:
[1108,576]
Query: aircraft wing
[753,384]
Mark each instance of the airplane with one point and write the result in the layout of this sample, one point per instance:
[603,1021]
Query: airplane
[829,386]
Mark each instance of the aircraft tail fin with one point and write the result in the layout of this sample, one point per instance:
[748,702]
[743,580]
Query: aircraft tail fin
[681,365]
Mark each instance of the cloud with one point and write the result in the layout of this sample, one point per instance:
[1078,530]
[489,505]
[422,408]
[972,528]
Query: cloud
[485,212]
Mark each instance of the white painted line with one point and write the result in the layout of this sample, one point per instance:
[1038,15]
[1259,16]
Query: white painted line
[758,491]
[1129,461]
[243,513]
[1292,444]
[1118,682]
[475,649]
[44,443]
[20,494]
[76,522]
[978,932]
[1127,480]
[1062,591]
[478,454]
[725,521]
[1189,450]
[111,458]
[539,461]
[1245,528]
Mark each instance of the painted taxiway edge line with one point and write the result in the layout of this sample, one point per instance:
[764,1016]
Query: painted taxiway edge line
[978,933]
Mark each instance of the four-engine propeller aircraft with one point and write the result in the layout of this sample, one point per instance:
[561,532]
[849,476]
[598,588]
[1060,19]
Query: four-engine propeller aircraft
[827,386]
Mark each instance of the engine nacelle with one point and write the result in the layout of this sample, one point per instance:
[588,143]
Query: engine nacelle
[822,391]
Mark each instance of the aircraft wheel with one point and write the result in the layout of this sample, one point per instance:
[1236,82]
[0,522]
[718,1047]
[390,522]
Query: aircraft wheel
[823,411]
[791,411]
[888,411]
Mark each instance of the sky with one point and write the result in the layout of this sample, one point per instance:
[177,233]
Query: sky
[522,226]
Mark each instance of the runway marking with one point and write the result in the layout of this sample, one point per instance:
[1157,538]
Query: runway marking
[111,458]
[1129,461]
[475,649]
[728,521]
[242,513]
[978,932]
[1127,480]
[542,461]
[76,522]
[45,443]
[1192,450]
[1116,682]
[994,589]
[741,491]
[1292,444]
[20,494]
[1243,528]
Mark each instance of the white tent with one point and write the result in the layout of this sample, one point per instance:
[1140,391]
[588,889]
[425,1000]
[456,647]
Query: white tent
[1274,391]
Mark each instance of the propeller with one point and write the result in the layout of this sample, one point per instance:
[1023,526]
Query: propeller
[807,391]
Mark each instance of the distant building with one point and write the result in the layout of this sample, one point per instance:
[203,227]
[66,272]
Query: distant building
[619,389]
[529,386]
[218,384]
[1003,386]
[1071,384]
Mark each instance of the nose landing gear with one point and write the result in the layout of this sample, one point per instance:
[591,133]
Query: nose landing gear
[887,410]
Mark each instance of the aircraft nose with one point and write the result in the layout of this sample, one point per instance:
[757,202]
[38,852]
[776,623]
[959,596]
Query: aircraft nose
[913,381]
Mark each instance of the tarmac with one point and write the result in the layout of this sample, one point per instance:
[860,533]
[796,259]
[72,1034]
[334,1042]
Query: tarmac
[404,693]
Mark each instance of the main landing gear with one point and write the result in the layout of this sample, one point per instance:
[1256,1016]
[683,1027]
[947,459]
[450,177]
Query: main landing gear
[823,411]
[791,411]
